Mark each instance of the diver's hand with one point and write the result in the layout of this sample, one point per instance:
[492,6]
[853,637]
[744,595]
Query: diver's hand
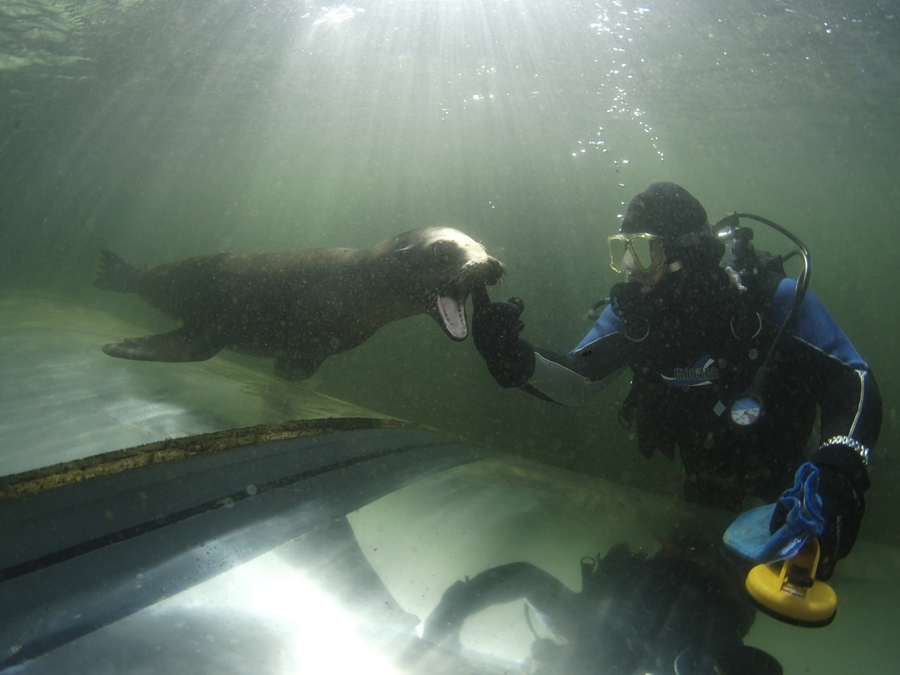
[843,506]
[495,330]
[633,307]
[625,299]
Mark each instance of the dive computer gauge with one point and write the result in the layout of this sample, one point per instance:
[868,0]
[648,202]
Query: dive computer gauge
[746,410]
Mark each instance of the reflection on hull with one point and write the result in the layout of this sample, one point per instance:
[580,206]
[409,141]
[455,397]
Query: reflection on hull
[80,556]
[277,582]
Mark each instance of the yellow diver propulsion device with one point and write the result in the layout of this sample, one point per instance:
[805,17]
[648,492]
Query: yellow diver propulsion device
[789,591]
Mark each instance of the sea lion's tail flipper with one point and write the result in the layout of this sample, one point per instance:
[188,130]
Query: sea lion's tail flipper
[114,274]
[183,344]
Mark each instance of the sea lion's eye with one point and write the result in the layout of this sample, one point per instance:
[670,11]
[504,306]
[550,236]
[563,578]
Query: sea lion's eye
[439,249]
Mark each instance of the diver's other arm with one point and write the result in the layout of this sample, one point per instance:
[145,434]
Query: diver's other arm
[514,362]
[497,585]
[851,419]
[842,482]
[851,410]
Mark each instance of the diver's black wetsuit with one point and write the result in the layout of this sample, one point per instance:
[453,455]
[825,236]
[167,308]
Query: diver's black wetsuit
[693,348]
[682,611]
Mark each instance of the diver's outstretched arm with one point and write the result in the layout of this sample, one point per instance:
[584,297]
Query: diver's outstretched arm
[549,596]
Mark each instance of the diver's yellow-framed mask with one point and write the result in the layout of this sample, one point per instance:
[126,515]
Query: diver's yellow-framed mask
[640,253]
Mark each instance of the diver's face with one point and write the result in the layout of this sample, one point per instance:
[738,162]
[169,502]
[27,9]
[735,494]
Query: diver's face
[634,274]
[640,256]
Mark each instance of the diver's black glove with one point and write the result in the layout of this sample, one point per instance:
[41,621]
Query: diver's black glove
[625,299]
[842,481]
[843,506]
[632,307]
[495,330]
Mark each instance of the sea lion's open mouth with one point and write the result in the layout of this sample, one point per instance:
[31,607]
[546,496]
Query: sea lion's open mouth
[451,300]
[453,316]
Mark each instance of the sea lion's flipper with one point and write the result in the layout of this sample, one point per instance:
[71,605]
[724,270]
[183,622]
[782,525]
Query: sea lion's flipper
[297,366]
[184,344]
[114,274]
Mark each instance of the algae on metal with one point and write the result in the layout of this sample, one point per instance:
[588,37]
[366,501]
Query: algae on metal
[171,449]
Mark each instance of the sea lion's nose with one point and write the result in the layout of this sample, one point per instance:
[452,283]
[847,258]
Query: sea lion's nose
[495,265]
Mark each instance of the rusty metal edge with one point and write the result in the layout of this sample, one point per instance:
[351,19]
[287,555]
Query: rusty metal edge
[171,449]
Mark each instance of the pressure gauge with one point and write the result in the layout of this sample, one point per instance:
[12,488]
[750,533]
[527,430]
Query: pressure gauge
[746,410]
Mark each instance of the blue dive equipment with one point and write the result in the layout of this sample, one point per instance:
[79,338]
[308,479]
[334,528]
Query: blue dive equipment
[747,409]
[783,581]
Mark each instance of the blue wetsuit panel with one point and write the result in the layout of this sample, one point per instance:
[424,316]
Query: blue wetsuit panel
[814,325]
[607,324]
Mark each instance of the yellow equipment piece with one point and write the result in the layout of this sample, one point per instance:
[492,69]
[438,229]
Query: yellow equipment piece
[788,590]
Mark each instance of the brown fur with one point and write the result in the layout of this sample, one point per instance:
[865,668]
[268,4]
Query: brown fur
[301,307]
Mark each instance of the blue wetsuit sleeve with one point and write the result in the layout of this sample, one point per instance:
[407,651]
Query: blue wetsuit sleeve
[574,377]
[608,324]
[815,326]
[849,397]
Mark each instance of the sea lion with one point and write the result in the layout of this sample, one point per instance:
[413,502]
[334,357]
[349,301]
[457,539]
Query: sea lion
[301,307]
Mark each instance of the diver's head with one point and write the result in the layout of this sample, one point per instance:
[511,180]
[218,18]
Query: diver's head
[664,230]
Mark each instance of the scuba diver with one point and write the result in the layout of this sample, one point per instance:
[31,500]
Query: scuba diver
[730,358]
[681,611]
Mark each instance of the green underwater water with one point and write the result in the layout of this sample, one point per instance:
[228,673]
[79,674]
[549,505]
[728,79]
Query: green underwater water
[167,129]
[184,129]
